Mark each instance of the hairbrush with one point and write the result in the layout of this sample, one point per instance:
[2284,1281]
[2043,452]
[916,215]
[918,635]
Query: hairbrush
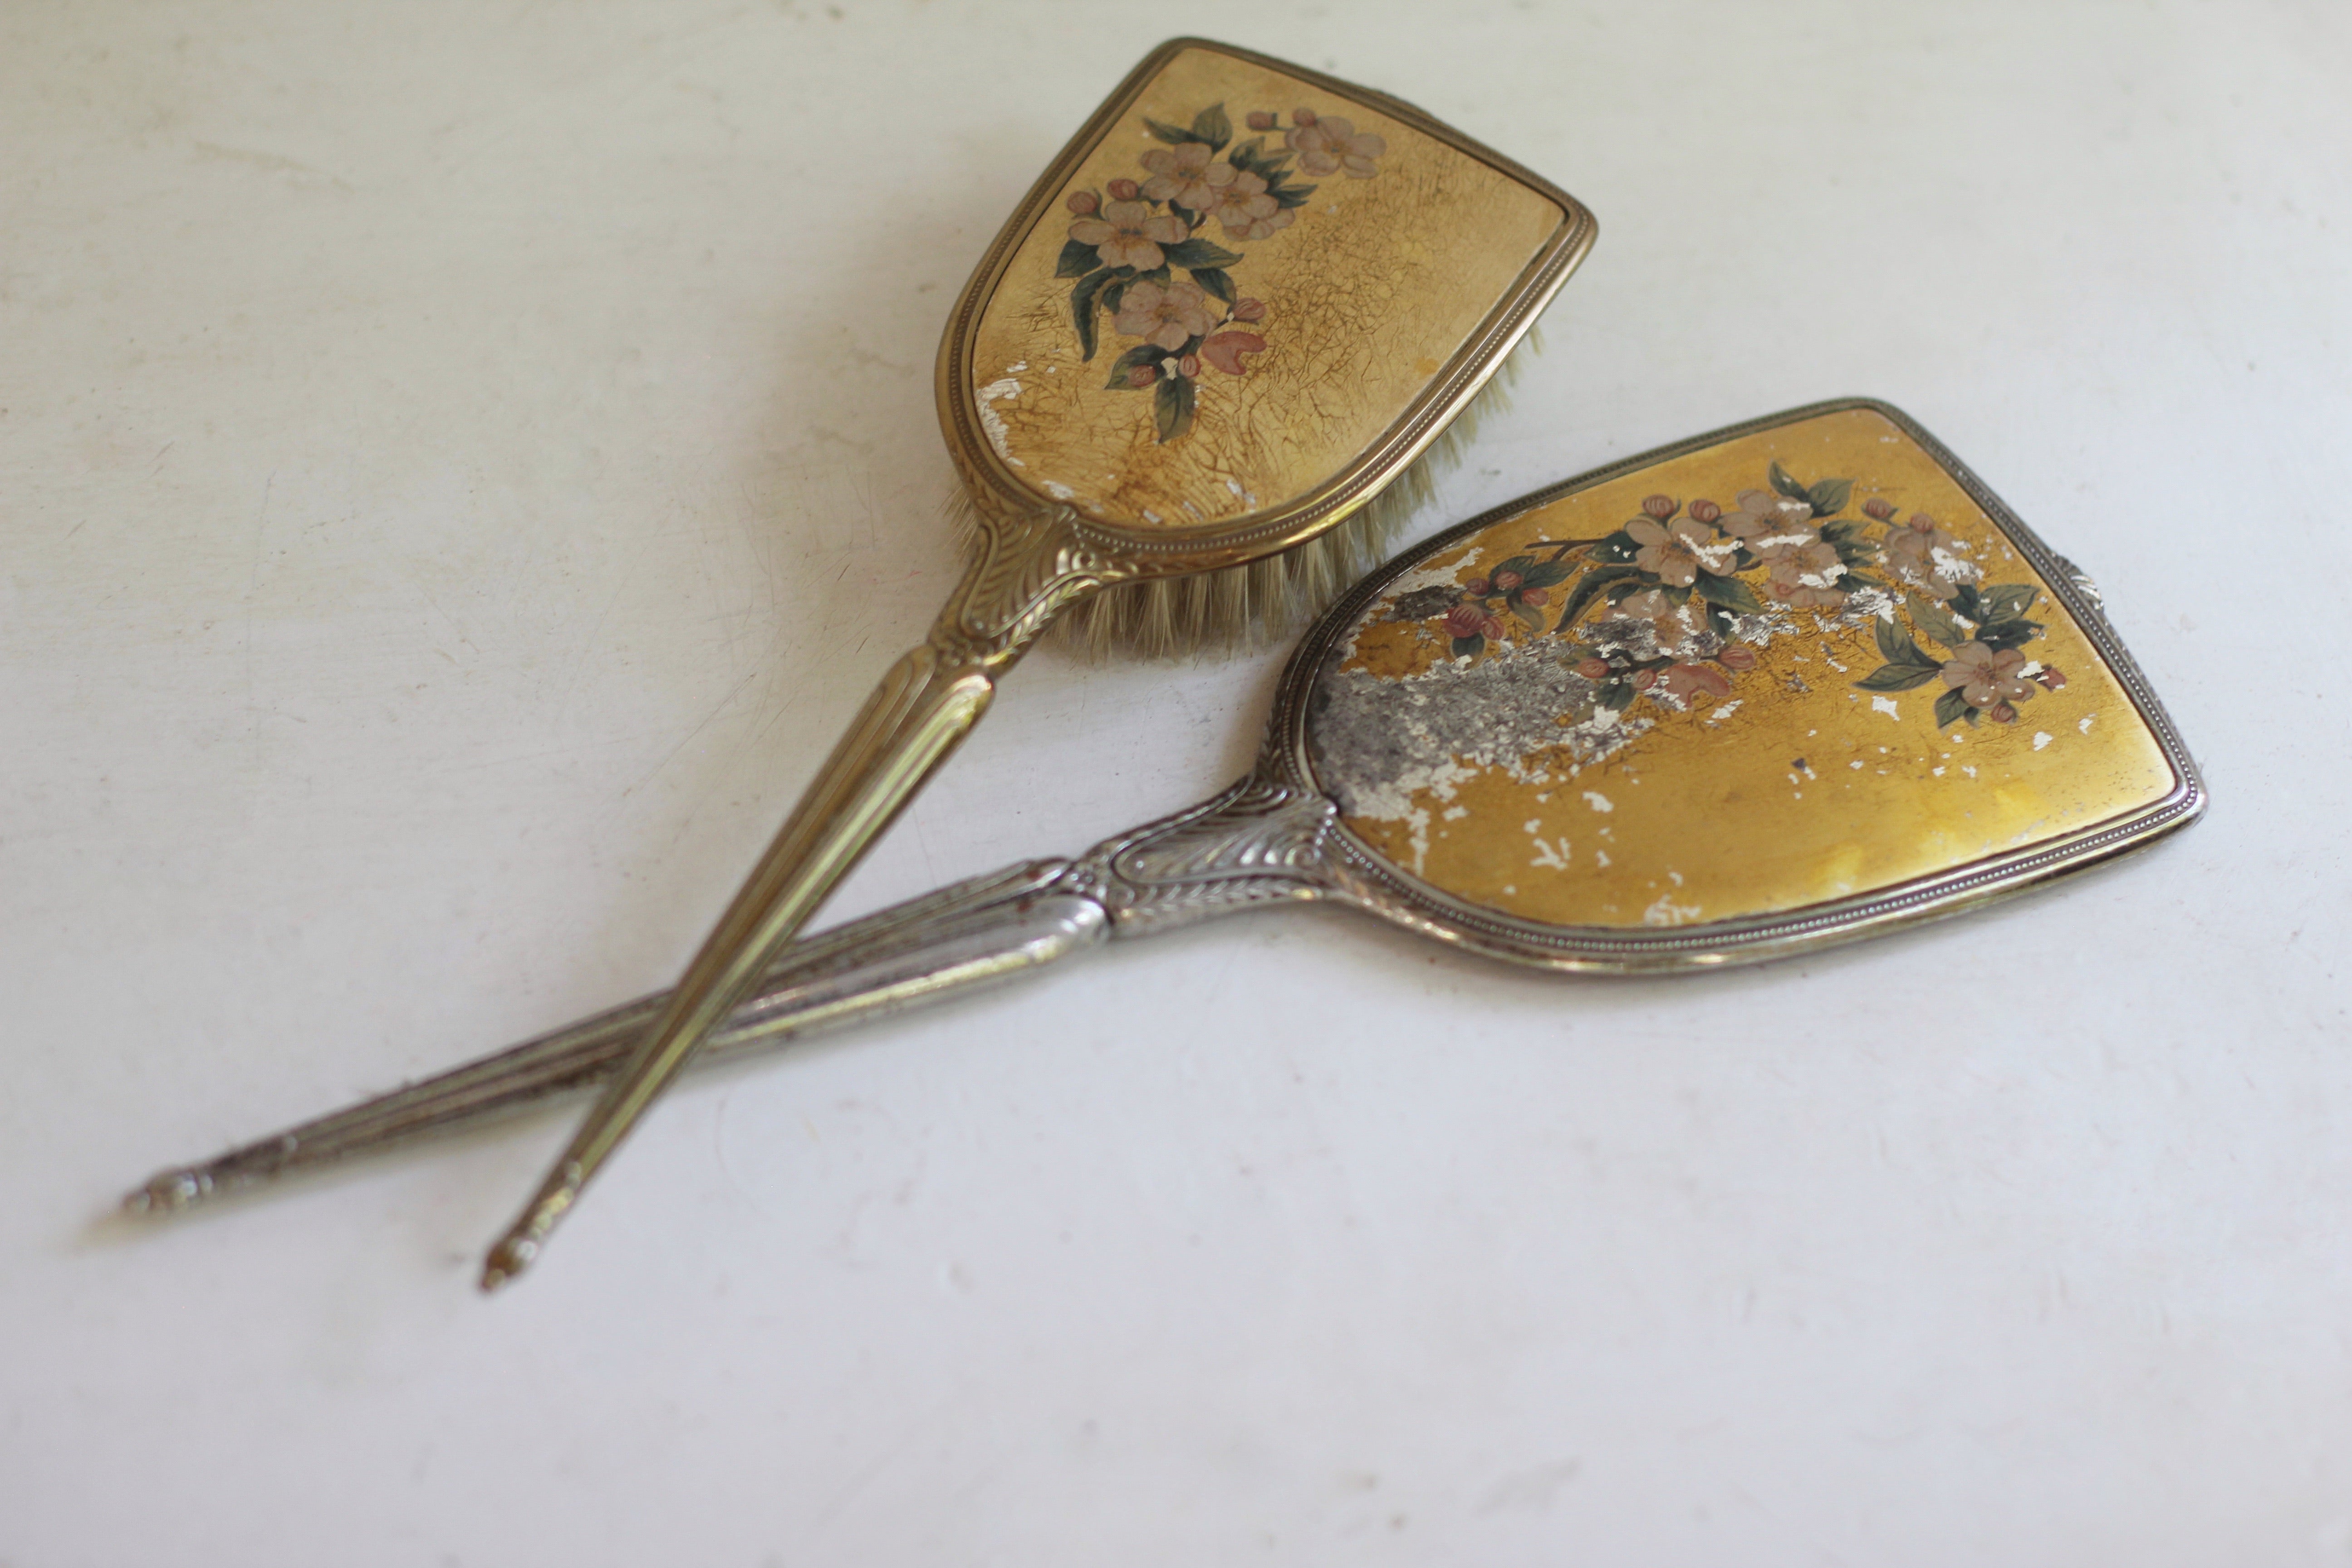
[1784,684]
[1243,299]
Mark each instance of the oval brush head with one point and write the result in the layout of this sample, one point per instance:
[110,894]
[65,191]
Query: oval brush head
[1267,600]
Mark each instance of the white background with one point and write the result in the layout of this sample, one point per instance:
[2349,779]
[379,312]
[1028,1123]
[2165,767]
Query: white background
[459,466]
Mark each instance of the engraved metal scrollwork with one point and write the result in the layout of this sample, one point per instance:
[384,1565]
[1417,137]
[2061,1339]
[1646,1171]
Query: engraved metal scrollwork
[1259,842]
[1031,565]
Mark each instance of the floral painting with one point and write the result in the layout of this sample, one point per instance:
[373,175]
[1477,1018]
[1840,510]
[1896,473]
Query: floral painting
[1671,606]
[1128,241]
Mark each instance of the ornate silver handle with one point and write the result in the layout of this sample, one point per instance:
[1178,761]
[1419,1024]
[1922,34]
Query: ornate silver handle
[970,935]
[1256,844]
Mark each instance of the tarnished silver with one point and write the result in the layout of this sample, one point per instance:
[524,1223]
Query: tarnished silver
[1273,837]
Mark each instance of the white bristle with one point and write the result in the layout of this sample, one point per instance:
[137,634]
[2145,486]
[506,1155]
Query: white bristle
[1270,598]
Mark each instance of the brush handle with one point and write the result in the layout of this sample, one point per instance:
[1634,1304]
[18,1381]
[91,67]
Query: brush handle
[927,703]
[967,936]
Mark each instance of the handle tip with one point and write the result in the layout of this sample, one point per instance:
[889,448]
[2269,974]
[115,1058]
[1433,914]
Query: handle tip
[168,1192]
[507,1259]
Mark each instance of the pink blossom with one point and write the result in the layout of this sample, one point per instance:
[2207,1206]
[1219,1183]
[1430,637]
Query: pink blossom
[1988,678]
[1330,144]
[1772,526]
[1129,234]
[1676,554]
[1163,314]
[1224,350]
[1806,577]
[1687,681]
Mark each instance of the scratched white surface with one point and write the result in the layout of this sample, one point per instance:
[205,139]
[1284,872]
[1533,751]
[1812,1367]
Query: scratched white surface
[460,464]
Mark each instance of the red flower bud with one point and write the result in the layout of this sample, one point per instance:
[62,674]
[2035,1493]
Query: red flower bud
[1592,669]
[2001,713]
[1189,367]
[1302,117]
[1534,596]
[1464,620]
[1660,505]
[1085,204]
[1124,189]
[1879,508]
[1739,656]
[1259,120]
[1477,587]
[1492,626]
[1644,678]
[1248,310]
[1923,522]
[1143,375]
[1705,511]
[1506,580]
[2052,679]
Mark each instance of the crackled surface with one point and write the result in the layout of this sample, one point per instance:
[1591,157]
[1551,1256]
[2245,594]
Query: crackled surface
[1340,318]
[1664,760]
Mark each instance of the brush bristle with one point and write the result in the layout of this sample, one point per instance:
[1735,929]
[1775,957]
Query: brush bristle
[1270,598]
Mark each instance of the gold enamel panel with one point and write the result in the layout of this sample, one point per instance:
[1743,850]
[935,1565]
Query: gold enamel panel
[1246,288]
[1808,665]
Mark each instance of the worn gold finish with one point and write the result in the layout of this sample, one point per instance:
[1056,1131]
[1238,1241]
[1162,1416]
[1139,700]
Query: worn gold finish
[1391,290]
[1781,778]
[1366,298]
[1464,762]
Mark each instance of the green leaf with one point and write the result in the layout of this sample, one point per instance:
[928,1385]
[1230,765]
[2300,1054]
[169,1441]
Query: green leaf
[1838,532]
[1113,296]
[1082,308]
[1078,258]
[1964,600]
[1617,696]
[1290,196]
[1999,634]
[1215,280]
[1133,359]
[1951,707]
[1213,126]
[1729,592]
[1528,614]
[1854,552]
[1522,564]
[1829,496]
[1580,598]
[1198,252]
[1246,157]
[1930,618]
[1897,648]
[1172,408]
[2007,601]
[1473,645]
[1621,591]
[1544,574]
[1897,678]
[1157,274]
[1618,546]
[1174,135]
[1787,486]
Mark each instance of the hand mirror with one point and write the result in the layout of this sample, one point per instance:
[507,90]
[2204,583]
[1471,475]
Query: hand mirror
[1784,684]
